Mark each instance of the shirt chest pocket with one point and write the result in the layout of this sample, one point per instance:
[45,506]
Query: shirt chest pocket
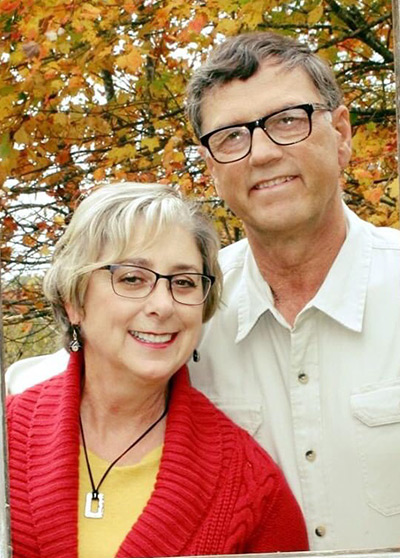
[377,410]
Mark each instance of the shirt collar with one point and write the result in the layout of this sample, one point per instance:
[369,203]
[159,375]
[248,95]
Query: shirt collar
[254,297]
[341,296]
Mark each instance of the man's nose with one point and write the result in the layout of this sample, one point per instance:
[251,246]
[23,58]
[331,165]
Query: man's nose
[263,149]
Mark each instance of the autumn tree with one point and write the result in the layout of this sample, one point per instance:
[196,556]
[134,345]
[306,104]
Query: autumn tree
[93,91]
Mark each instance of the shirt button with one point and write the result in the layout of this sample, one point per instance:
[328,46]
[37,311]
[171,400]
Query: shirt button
[320,531]
[302,377]
[311,455]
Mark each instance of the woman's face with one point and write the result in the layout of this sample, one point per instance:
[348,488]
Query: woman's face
[146,339]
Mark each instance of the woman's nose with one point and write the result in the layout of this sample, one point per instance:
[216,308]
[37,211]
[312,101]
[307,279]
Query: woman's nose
[160,299]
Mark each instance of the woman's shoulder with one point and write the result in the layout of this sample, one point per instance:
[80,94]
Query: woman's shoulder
[25,402]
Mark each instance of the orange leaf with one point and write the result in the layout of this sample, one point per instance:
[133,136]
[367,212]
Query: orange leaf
[9,223]
[63,156]
[198,23]
[9,6]
[374,195]
[28,240]
[21,308]
[99,174]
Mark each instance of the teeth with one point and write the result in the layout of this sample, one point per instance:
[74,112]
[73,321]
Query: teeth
[274,182]
[151,337]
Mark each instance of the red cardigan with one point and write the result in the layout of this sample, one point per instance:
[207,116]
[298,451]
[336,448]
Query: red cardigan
[217,491]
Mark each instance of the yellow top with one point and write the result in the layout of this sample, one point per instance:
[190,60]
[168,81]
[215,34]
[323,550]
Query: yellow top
[126,491]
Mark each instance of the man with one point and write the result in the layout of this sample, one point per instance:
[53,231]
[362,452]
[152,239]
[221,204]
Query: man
[304,351]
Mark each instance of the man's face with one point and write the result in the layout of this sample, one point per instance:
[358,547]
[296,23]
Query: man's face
[279,189]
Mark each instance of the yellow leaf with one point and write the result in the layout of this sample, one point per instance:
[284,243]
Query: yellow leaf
[252,13]
[131,61]
[315,15]
[228,26]
[151,143]
[64,47]
[220,212]
[88,11]
[21,136]
[59,220]
[61,120]
[118,154]
[17,57]
[44,250]
[55,86]
[393,188]
[178,156]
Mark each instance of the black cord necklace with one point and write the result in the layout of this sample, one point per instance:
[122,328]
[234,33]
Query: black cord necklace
[95,495]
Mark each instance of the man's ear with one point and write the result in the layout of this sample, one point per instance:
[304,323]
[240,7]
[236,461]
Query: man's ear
[211,164]
[341,123]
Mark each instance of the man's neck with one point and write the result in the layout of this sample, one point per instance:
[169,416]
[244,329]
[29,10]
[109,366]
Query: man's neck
[295,265]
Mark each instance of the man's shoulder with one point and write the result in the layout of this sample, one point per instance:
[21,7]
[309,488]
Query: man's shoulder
[385,238]
[27,372]
[233,256]
[232,259]
[23,404]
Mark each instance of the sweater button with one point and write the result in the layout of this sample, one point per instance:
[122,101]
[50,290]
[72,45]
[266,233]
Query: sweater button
[320,531]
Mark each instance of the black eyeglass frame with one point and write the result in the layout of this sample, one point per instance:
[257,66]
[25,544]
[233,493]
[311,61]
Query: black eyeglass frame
[309,108]
[113,267]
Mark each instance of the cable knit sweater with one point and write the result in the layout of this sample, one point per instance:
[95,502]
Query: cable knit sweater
[217,492]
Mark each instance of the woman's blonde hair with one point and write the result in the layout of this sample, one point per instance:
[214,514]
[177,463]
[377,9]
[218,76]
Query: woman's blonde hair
[107,218]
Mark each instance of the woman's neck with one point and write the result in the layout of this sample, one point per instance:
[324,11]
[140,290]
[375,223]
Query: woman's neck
[113,416]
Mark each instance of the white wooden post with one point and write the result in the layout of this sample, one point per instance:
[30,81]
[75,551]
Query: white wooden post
[5,537]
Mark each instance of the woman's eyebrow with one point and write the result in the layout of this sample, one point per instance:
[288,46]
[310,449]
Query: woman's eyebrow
[177,268]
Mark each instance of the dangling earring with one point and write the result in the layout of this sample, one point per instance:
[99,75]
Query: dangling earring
[196,355]
[75,344]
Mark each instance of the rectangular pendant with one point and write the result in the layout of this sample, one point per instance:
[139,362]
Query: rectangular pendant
[94,508]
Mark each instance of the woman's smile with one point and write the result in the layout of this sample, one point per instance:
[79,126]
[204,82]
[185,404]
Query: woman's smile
[153,338]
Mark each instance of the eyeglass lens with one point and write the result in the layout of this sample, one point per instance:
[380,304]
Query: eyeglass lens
[285,128]
[138,282]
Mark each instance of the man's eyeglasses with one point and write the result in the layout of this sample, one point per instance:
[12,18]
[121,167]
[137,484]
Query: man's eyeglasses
[285,127]
[132,281]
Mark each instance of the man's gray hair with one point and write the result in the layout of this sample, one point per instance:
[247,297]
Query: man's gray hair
[240,57]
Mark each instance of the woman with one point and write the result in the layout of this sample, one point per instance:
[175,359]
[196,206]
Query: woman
[119,455]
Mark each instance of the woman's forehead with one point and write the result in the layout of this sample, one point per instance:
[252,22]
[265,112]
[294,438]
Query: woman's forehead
[144,239]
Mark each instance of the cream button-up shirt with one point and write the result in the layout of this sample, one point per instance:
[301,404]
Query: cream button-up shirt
[322,397]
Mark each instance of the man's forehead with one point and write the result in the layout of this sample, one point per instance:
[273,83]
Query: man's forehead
[274,87]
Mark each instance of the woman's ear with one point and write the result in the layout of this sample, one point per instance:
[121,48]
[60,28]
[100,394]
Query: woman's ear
[74,315]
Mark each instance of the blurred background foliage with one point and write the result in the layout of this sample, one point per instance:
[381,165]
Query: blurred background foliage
[94,91]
